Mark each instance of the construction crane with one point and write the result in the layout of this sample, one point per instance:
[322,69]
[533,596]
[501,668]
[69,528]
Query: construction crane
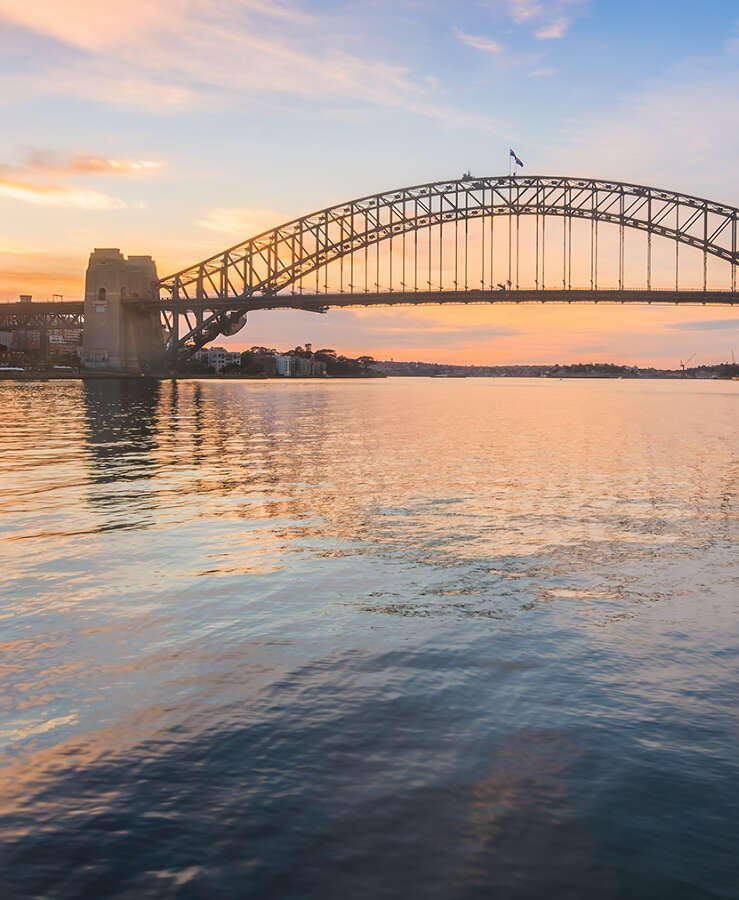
[684,362]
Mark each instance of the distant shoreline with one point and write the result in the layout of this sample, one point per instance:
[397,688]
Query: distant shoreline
[127,376]
[187,376]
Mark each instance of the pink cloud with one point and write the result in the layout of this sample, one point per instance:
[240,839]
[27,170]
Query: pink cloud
[551,18]
[488,45]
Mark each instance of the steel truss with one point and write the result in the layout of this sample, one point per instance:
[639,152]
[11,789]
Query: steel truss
[41,316]
[214,295]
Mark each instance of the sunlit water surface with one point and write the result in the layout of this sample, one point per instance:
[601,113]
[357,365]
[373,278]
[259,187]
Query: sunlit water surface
[388,638]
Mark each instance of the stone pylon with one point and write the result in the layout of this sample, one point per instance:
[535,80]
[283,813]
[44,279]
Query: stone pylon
[120,335]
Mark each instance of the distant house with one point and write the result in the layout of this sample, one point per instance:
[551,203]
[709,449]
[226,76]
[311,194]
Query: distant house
[217,358]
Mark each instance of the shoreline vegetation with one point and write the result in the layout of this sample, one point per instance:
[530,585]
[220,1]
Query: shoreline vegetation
[557,370]
[577,371]
[261,364]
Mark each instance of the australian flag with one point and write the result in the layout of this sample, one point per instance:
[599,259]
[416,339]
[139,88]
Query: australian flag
[517,160]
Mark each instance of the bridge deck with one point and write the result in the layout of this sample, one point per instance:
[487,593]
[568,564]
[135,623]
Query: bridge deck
[322,302]
[59,307]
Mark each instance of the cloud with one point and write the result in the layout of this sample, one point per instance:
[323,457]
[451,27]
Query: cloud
[405,328]
[18,182]
[551,19]
[457,337]
[555,30]
[479,42]
[524,10]
[91,25]
[57,195]
[87,164]
[703,325]
[104,81]
[188,53]
[545,72]
[241,221]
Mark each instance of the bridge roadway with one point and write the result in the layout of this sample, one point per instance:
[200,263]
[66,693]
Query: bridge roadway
[45,307]
[323,302]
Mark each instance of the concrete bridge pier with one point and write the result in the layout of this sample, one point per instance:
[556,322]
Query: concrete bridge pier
[120,336]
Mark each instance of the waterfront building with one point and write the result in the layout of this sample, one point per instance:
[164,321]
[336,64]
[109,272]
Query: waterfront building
[217,358]
[284,365]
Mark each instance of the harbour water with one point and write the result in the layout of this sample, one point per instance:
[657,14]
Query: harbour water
[369,639]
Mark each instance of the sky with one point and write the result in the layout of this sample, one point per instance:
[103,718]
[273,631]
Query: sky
[177,128]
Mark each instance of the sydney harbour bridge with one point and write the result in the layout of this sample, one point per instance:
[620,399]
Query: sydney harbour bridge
[504,239]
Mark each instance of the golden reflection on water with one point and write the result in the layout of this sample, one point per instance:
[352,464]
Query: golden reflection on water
[439,471]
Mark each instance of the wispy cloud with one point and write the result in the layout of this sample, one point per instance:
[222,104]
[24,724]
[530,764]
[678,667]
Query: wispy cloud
[87,164]
[479,42]
[94,26]
[241,222]
[57,195]
[404,328]
[106,81]
[524,10]
[550,19]
[706,325]
[557,29]
[544,72]
[22,181]
[206,52]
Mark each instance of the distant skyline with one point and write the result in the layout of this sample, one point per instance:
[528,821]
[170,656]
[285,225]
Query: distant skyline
[179,127]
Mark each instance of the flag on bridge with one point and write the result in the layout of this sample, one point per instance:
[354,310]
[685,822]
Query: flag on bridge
[517,160]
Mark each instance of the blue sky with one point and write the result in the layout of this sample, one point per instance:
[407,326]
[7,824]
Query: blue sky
[180,127]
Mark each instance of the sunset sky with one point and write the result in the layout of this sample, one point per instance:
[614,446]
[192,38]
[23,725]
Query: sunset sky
[178,127]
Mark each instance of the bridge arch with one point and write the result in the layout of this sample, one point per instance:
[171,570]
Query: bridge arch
[279,259]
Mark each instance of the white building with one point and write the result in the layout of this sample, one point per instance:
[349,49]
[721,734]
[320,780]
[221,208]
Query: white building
[284,365]
[217,358]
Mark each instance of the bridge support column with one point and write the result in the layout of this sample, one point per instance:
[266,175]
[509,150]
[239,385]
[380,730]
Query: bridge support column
[120,336]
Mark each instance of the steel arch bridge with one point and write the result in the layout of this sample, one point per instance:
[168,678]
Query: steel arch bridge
[332,258]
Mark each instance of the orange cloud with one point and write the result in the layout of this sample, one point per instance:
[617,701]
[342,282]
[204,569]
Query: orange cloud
[15,183]
[57,195]
[89,164]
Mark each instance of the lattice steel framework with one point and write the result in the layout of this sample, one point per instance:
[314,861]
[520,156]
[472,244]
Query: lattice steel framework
[40,316]
[215,294]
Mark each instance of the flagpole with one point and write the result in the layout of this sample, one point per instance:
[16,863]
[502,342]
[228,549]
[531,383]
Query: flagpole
[510,219]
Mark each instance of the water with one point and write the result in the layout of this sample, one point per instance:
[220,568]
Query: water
[377,639]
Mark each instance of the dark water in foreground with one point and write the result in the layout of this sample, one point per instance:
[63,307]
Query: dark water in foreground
[404,638]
